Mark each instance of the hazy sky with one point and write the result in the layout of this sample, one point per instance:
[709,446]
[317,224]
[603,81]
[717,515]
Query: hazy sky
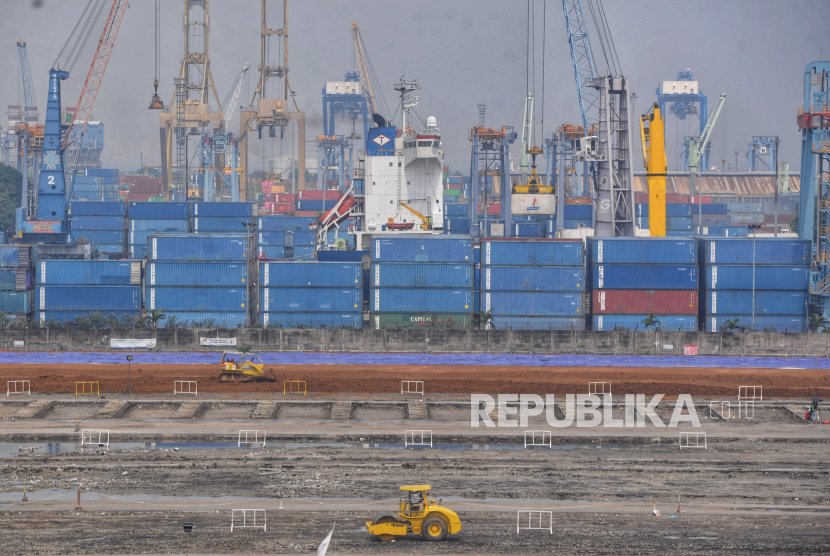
[462,52]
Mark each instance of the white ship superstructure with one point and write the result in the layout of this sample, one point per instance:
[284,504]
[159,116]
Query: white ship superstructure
[408,175]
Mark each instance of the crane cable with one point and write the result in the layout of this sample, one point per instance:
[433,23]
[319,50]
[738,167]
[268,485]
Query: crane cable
[89,17]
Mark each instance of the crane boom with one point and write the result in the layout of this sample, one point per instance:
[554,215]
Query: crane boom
[583,63]
[365,82]
[710,123]
[83,110]
[229,106]
[28,91]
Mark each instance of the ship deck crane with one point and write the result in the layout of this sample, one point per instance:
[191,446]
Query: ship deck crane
[698,146]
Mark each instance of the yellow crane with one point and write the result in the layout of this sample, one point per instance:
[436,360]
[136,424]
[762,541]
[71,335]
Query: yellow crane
[424,219]
[363,70]
[653,137]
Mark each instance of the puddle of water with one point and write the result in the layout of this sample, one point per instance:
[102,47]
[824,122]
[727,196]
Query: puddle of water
[8,449]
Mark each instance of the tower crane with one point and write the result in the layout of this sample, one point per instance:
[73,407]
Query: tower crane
[52,192]
[583,63]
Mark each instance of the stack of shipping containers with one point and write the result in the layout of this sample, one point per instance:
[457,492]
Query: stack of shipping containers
[313,202]
[147,218]
[141,188]
[222,218]
[102,224]
[311,294]
[421,282]
[96,184]
[200,280]
[679,220]
[285,237]
[533,284]
[456,218]
[16,281]
[633,278]
[757,284]
[69,289]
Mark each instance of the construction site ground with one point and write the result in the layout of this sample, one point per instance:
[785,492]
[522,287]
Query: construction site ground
[337,455]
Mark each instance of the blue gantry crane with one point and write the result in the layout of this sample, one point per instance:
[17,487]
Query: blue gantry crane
[814,122]
[686,99]
[761,156]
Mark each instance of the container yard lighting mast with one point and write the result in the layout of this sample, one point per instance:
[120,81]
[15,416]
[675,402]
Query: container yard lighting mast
[191,112]
[52,195]
[271,113]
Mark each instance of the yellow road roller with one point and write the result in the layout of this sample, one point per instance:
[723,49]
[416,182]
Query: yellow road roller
[417,514]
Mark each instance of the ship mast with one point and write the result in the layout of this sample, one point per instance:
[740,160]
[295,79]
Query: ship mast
[407,102]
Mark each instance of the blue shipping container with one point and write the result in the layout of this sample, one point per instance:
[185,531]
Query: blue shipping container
[98,223]
[642,209]
[138,251]
[316,204]
[532,303]
[196,274]
[756,251]
[221,209]
[279,223]
[87,272]
[528,229]
[650,250]
[206,319]
[422,275]
[533,253]
[299,300]
[641,222]
[745,207]
[220,224]
[538,323]
[679,223]
[579,212]
[271,252]
[311,274]
[424,249]
[8,279]
[201,247]
[126,318]
[710,208]
[174,298]
[109,237]
[83,298]
[311,320]
[154,225]
[678,209]
[725,231]
[770,277]
[95,208]
[421,300]
[158,211]
[668,323]
[456,209]
[759,324]
[461,225]
[645,277]
[450,198]
[740,302]
[15,302]
[287,239]
[533,278]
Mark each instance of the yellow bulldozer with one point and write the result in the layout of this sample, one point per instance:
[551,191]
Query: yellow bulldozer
[242,367]
[417,514]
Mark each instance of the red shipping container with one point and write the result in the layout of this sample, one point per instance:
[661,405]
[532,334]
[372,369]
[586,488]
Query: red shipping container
[645,302]
[140,179]
[676,198]
[280,208]
[782,218]
[705,199]
[269,198]
[641,197]
[318,195]
[307,213]
[152,189]
[284,197]
[494,208]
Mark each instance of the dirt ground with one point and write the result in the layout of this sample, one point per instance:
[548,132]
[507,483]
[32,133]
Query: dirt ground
[732,498]
[373,379]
